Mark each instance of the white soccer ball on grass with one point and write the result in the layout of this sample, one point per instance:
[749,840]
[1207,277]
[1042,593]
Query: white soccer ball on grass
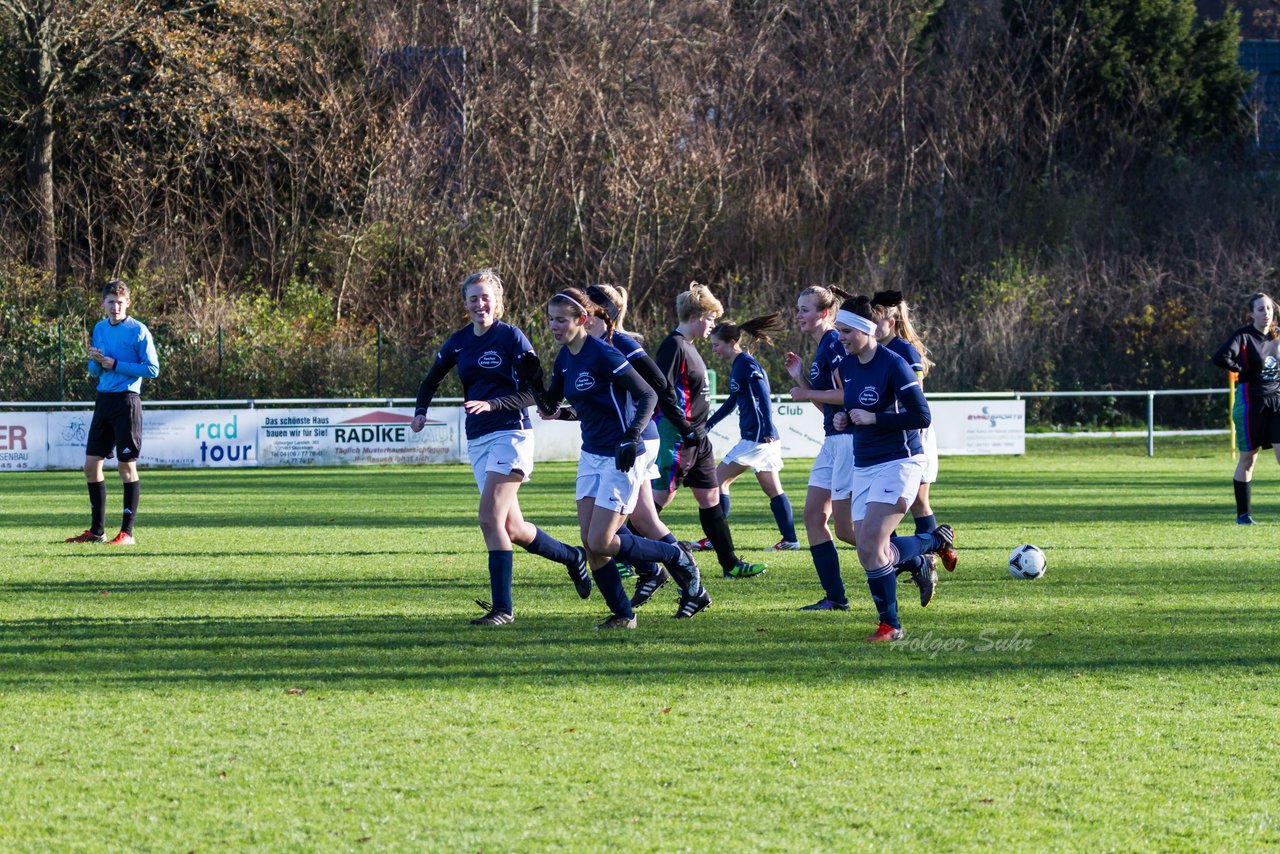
[1026,562]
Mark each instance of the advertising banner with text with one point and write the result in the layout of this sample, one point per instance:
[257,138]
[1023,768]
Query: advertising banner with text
[209,438]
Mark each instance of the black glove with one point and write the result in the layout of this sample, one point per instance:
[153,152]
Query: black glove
[625,456]
[529,369]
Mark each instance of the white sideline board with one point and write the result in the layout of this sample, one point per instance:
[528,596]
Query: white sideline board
[231,438]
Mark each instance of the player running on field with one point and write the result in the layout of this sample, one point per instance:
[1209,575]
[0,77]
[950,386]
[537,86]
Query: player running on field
[613,405]
[687,463]
[758,449]
[121,354]
[1253,352]
[831,477]
[499,439]
[895,331]
[608,309]
[886,406]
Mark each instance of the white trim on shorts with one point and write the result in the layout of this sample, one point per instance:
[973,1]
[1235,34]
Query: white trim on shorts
[833,468]
[757,456]
[886,483]
[502,452]
[599,478]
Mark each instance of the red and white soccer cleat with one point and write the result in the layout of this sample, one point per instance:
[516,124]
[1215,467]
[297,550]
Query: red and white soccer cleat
[87,537]
[885,632]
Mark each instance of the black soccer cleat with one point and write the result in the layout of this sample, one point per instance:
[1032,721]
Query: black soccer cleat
[493,617]
[617,621]
[692,605]
[649,585]
[580,574]
[927,581]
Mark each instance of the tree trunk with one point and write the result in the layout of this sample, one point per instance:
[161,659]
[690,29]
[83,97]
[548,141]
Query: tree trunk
[39,154]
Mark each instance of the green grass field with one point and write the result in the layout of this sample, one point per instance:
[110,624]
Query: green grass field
[284,662]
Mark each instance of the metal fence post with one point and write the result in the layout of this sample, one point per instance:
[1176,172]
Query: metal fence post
[62,394]
[379,375]
[1151,424]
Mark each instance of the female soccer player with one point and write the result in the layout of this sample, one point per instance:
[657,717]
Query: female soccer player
[608,310]
[832,473]
[1253,352]
[121,354]
[758,449]
[692,463]
[613,405]
[499,439]
[895,331]
[885,405]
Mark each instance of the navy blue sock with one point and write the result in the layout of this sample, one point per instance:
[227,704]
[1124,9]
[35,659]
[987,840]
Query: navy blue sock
[668,538]
[98,507]
[635,548]
[780,504]
[545,545]
[827,561]
[926,524]
[909,547]
[610,585]
[724,504]
[884,593]
[913,565]
[500,581]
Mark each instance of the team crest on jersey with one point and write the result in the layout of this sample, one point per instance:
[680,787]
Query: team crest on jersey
[733,385]
[490,359]
[584,382]
[1270,368]
[869,396]
[813,372]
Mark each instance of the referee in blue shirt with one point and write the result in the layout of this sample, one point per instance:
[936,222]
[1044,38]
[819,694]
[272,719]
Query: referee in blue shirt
[121,353]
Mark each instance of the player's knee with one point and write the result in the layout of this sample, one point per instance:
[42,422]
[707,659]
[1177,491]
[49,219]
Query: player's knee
[872,556]
[599,543]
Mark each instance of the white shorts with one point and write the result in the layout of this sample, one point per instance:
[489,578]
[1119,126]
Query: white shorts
[930,440]
[757,456]
[833,469]
[599,478]
[503,452]
[886,483]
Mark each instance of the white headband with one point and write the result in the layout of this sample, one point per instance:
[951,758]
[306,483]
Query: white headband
[572,300]
[857,321]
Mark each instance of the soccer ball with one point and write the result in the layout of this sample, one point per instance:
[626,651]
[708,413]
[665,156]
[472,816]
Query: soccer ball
[1026,562]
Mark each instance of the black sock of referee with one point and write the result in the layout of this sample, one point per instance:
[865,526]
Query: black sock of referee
[717,531]
[1243,498]
[130,506]
[98,507]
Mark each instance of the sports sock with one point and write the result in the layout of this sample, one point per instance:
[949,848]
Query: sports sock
[500,581]
[717,531]
[547,546]
[98,507]
[635,548]
[780,504]
[926,524]
[1243,498]
[827,561]
[610,586]
[648,568]
[884,593]
[130,506]
[913,546]
[724,504]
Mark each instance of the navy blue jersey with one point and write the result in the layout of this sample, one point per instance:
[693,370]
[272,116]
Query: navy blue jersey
[908,352]
[589,381]
[632,350]
[822,376]
[887,386]
[749,392]
[486,366]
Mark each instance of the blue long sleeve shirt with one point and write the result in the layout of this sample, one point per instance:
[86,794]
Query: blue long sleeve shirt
[749,392]
[129,342]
